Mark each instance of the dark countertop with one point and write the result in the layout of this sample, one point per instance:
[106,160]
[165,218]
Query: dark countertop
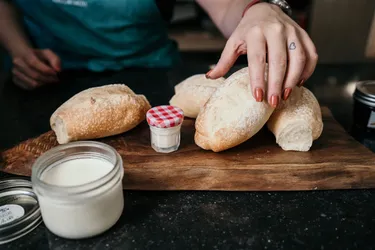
[208,220]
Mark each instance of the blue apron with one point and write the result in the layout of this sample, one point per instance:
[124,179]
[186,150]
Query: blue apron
[100,34]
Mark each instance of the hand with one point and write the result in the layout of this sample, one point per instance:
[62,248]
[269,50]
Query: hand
[35,68]
[266,31]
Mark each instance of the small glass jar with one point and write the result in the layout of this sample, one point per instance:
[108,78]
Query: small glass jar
[79,188]
[165,127]
[165,140]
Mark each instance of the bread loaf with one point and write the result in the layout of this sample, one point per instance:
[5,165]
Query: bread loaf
[297,122]
[192,93]
[231,116]
[99,112]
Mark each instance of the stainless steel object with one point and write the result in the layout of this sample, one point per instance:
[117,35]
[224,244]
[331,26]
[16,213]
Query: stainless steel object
[19,209]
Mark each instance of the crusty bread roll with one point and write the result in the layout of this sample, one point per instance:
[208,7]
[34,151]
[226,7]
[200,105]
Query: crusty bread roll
[192,93]
[297,122]
[99,112]
[231,116]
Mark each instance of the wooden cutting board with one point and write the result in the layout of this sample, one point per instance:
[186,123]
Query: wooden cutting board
[336,161]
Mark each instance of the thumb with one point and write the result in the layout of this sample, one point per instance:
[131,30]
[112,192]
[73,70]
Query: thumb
[227,59]
[51,58]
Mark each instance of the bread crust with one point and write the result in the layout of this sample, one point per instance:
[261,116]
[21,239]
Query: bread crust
[231,115]
[99,112]
[192,93]
[302,109]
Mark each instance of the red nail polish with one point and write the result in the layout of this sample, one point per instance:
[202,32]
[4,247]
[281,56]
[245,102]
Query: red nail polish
[258,95]
[274,100]
[208,74]
[287,93]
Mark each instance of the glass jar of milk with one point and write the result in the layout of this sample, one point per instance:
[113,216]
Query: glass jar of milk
[79,188]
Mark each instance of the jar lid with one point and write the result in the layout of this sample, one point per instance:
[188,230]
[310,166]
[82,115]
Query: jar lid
[19,209]
[165,116]
[365,93]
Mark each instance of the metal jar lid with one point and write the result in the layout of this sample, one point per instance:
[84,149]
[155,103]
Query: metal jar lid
[19,209]
[365,93]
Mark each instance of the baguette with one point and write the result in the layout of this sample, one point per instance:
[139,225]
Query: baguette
[99,112]
[297,122]
[231,116]
[192,93]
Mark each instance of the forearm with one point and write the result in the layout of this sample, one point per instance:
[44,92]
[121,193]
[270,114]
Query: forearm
[12,36]
[226,14]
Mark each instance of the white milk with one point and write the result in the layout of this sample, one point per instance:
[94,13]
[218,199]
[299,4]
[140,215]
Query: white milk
[72,213]
[77,172]
[165,140]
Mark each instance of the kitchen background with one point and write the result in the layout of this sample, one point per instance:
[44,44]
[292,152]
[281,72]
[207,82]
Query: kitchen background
[343,32]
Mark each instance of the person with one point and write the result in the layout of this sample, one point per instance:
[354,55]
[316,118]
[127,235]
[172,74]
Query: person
[100,35]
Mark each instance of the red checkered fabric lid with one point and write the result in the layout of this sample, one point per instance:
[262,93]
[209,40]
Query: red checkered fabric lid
[165,116]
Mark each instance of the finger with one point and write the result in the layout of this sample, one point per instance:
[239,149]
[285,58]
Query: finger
[277,62]
[25,80]
[51,58]
[297,61]
[37,64]
[311,57]
[232,50]
[20,84]
[256,57]
[32,73]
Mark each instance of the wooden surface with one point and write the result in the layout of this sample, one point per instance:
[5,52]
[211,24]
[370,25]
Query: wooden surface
[336,161]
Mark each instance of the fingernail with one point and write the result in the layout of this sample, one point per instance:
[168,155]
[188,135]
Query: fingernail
[287,93]
[274,100]
[300,83]
[208,74]
[259,95]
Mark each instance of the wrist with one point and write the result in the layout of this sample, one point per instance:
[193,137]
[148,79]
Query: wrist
[282,4]
[20,50]
[249,5]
